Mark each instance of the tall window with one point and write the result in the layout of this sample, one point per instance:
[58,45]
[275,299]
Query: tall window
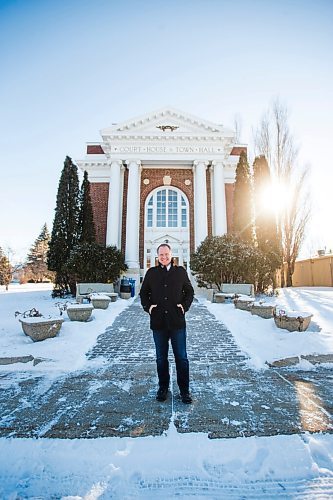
[184,213]
[161,208]
[167,208]
[150,213]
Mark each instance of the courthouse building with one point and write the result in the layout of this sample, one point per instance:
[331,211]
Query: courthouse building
[163,177]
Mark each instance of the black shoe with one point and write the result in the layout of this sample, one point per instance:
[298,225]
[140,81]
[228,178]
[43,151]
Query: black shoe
[186,398]
[162,394]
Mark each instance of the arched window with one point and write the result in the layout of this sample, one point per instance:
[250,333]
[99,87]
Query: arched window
[167,208]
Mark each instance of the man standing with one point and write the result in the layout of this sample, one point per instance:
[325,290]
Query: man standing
[167,294]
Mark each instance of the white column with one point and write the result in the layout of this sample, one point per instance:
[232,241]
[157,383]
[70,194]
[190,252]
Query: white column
[114,212]
[200,202]
[219,205]
[133,214]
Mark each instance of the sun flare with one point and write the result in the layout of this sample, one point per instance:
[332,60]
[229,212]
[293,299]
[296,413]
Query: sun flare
[276,197]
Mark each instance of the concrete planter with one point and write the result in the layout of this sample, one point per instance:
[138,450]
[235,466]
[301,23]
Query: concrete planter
[100,301]
[79,312]
[243,303]
[265,311]
[219,298]
[113,296]
[293,321]
[40,328]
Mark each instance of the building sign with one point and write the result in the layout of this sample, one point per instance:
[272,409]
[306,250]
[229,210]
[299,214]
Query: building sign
[167,149]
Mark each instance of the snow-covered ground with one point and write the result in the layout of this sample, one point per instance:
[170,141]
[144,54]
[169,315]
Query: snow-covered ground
[263,341]
[172,465]
[259,338]
[66,352]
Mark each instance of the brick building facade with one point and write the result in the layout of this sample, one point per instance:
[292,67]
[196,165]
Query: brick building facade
[166,176]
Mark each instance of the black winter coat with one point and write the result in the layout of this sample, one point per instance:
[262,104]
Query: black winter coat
[166,289]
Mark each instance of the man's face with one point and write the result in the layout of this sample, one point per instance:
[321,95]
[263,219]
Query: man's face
[164,255]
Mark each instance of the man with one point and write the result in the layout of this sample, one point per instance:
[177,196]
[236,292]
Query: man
[167,294]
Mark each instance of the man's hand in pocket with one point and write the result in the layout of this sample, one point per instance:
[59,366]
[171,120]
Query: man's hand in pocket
[152,307]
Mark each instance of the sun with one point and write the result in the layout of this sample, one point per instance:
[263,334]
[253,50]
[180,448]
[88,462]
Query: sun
[276,197]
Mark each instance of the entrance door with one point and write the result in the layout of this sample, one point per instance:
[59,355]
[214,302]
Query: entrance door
[166,221]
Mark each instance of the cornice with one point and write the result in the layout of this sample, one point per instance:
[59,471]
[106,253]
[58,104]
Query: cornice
[165,137]
[87,163]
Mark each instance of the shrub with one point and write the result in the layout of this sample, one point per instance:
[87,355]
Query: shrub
[93,263]
[229,259]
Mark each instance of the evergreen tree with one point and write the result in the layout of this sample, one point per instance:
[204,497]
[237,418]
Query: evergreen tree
[5,270]
[266,229]
[36,267]
[86,219]
[265,216]
[92,262]
[65,226]
[242,220]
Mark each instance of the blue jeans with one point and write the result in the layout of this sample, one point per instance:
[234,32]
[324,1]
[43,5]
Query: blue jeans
[178,342]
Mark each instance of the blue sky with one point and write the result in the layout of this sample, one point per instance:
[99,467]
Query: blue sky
[71,68]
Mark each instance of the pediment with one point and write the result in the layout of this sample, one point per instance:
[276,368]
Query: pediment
[165,238]
[166,122]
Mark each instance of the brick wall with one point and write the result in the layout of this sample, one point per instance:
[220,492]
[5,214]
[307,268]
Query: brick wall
[155,177]
[229,201]
[99,193]
[94,149]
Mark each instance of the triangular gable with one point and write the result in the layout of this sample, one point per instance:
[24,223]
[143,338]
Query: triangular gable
[167,121]
[166,237]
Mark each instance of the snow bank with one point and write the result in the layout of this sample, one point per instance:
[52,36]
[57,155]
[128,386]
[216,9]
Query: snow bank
[262,341]
[63,353]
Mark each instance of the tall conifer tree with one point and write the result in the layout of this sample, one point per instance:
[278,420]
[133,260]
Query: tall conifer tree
[65,231]
[86,219]
[266,229]
[242,221]
[265,217]
[5,270]
[36,267]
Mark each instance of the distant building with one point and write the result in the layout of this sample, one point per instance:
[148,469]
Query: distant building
[163,177]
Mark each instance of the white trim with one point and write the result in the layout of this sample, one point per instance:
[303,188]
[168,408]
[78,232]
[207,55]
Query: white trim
[132,215]
[112,229]
[200,201]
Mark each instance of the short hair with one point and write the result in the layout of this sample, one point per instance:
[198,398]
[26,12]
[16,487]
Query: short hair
[163,245]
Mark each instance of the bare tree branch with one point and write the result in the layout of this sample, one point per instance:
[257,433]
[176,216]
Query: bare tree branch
[274,139]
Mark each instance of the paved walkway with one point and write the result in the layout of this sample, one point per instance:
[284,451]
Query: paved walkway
[118,399]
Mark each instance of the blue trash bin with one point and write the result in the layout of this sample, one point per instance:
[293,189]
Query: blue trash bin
[132,283]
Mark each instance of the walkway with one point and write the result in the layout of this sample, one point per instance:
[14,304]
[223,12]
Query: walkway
[115,396]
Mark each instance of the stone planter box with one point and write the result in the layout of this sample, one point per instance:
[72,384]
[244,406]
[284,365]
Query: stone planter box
[100,301]
[41,328]
[113,296]
[244,303]
[293,321]
[79,312]
[265,311]
[219,298]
